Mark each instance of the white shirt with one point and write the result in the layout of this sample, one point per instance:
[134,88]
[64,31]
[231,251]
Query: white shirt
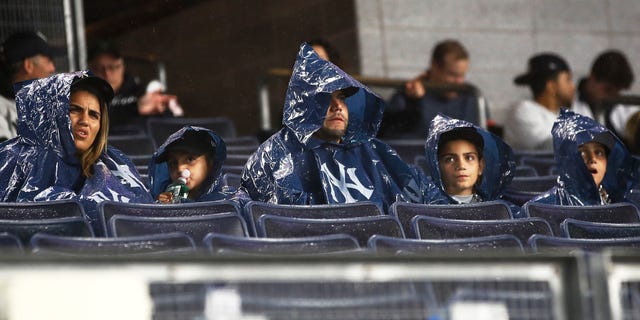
[618,117]
[8,118]
[529,125]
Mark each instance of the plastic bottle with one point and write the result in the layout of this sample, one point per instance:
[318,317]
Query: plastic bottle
[179,188]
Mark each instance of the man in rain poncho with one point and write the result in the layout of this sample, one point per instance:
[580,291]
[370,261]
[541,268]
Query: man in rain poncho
[327,152]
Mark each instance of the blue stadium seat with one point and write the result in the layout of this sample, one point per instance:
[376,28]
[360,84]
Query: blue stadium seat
[525,171]
[224,244]
[137,145]
[161,128]
[108,209]
[155,244]
[390,245]
[242,141]
[551,243]
[361,228]
[407,149]
[197,227]
[537,154]
[25,229]
[555,214]
[438,228]
[40,210]
[572,228]
[544,166]
[9,243]
[489,210]
[255,209]
[236,160]
[232,169]
[523,189]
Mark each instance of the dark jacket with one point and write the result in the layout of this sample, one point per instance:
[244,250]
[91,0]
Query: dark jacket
[40,164]
[292,167]
[576,186]
[212,187]
[498,171]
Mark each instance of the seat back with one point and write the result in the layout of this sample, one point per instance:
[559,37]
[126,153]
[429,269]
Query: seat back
[525,171]
[9,243]
[544,166]
[25,229]
[572,228]
[523,189]
[489,210]
[161,128]
[407,149]
[224,244]
[438,228]
[555,214]
[236,160]
[197,227]
[255,209]
[41,210]
[361,228]
[134,145]
[108,209]
[231,179]
[155,244]
[551,243]
[389,245]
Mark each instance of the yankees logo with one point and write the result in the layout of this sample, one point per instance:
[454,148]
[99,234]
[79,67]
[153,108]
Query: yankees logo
[342,185]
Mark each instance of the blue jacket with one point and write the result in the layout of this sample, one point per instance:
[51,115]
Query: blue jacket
[40,163]
[292,167]
[575,185]
[212,187]
[498,171]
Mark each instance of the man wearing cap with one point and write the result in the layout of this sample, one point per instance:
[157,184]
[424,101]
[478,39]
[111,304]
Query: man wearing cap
[528,127]
[26,56]
[327,151]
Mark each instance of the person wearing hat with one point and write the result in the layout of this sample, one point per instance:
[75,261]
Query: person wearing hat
[467,164]
[133,102]
[198,150]
[528,126]
[61,150]
[327,152]
[594,166]
[26,55]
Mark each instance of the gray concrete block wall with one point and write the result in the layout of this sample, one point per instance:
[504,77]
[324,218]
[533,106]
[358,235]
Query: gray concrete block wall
[396,37]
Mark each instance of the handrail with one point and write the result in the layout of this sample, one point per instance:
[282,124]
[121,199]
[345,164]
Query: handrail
[284,73]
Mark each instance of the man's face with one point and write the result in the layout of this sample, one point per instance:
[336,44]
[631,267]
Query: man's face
[42,67]
[453,71]
[595,158]
[337,118]
[565,89]
[110,69]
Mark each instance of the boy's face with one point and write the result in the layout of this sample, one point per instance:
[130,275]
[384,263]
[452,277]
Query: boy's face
[460,167]
[178,160]
[595,158]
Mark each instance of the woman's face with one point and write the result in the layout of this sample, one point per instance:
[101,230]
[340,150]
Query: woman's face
[84,111]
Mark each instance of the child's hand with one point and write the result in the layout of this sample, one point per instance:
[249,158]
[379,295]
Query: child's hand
[165,197]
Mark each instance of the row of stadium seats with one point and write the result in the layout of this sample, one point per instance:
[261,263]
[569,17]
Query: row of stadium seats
[317,228]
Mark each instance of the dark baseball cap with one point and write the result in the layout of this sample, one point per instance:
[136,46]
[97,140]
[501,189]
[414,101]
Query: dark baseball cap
[462,133]
[194,142]
[25,44]
[94,85]
[542,67]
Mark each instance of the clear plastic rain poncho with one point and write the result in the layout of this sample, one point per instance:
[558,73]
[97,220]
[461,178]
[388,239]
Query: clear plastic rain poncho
[40,164]
[575,186]
[498,172]
[292,167]
[212,186]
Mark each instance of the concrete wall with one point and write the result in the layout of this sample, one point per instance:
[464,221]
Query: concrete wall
[396,37]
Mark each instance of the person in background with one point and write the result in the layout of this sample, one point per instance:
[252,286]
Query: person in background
[325,50]
[467,164]
[26,55]
[610,74]
[133,103]
[595,168]
[528,126]
[412,107]
[61,150]
[198,150]
[327,151]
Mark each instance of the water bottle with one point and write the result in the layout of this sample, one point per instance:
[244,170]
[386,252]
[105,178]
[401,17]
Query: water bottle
[179,188]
